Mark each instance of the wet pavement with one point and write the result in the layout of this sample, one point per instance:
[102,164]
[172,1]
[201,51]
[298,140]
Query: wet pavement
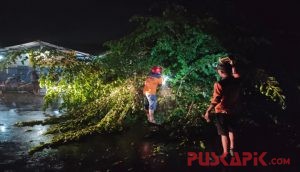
[141,148]
[16,141]
[130,151]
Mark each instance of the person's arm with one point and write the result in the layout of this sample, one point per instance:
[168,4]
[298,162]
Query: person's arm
[216,98]
[161,80]
[209,109]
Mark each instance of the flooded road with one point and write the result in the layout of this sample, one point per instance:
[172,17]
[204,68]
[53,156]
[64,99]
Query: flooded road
[16,141]
[141,148]
[133,151]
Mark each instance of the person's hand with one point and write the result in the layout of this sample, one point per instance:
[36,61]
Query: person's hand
[226,60]
[206,117]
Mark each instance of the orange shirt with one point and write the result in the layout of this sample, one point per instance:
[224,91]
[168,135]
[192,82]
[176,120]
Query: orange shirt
[226,95]
[151,84]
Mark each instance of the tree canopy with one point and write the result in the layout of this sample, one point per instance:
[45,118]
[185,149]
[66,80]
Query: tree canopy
[104,94]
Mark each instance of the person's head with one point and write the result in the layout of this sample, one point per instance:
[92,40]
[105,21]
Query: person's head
[156,69]
[224,70]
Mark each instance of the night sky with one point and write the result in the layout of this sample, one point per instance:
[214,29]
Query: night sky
[85,25]
[75,24]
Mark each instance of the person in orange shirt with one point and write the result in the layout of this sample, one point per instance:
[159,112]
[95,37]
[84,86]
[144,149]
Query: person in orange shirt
[226,103]
[153,80]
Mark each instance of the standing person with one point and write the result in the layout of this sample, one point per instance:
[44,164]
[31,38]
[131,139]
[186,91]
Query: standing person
[153,80]
[225,101]
[34,77]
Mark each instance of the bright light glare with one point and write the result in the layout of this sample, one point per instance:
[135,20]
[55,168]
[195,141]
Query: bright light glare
[165,79]
[1,56]
[2,129]
[54,88]
[56,112]
[40,129]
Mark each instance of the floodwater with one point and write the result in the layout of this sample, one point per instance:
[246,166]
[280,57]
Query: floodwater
[141,148]
[16,141]
[130,151]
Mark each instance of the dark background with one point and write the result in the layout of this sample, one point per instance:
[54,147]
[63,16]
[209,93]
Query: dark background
[86,25]
[81,25]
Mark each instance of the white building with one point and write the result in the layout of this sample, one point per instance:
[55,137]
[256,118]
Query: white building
[21,67]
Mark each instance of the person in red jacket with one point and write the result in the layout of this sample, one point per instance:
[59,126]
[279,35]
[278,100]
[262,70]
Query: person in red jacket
[225,102]
[153,80]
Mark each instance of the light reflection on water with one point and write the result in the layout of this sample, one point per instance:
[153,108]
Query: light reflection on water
[2,129]
[23,107]
[146,150]
[129,152]
[18,140]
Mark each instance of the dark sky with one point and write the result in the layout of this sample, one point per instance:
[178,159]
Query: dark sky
[85,25]
[77,24]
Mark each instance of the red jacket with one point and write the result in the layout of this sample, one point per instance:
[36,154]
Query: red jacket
[226,95]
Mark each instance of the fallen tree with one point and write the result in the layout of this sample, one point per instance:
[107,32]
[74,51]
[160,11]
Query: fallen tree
[103,94]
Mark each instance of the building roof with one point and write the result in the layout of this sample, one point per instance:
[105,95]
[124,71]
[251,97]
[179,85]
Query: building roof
[40,44]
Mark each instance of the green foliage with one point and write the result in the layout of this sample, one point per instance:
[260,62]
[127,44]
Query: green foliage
[12,57]
[104,95]
[183,49]
[269,87]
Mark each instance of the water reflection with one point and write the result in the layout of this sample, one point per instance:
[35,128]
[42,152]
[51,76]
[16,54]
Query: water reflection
[20,110]
[146,150]
[2,129]
[56,112]
[137,149]
[129,151]
[15,141]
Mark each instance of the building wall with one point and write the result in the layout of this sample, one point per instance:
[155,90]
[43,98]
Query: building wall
[16,71]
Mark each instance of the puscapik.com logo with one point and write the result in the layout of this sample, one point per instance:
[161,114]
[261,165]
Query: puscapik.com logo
[239,159]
